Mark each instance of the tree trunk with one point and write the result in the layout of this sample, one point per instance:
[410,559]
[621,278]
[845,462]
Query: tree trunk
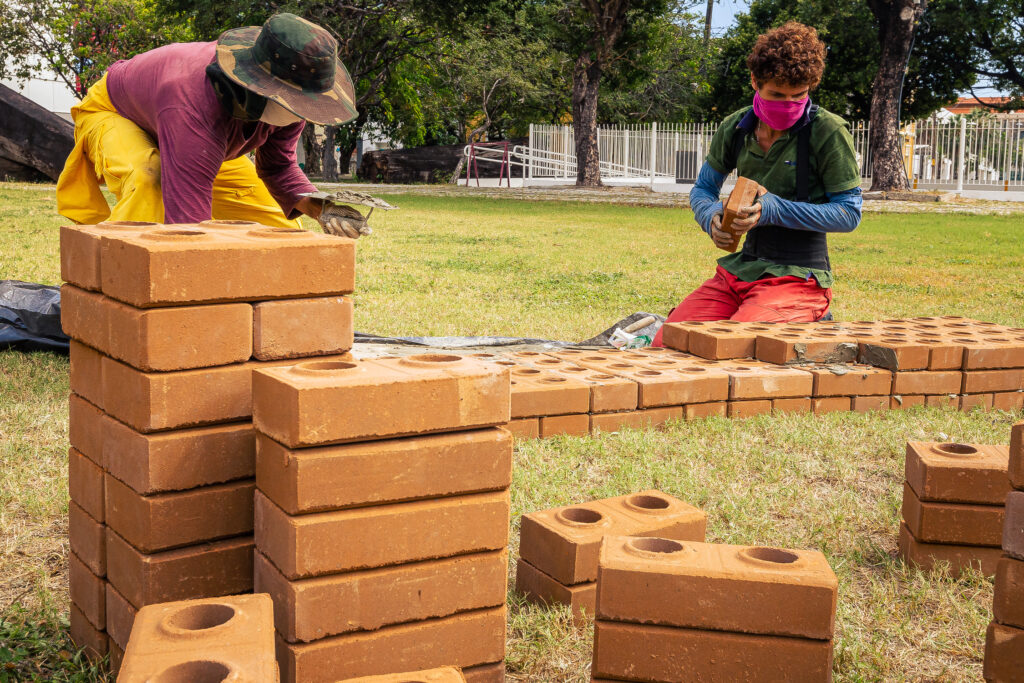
[897,21]
[707,22]
[314,150]
[330,163]
[586,78]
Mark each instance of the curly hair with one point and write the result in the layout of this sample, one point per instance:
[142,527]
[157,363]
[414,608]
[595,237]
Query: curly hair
[791,54]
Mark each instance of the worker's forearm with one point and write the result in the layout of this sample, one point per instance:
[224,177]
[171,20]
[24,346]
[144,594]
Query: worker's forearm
[840,214]
[704,197]
[308,206]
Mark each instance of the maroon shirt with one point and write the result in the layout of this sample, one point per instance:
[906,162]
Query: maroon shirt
[166,93]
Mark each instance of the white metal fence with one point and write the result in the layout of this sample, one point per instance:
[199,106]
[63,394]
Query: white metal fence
[987,154]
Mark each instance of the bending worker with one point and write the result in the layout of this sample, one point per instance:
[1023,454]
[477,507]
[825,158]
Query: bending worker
[804,160]
[169,130]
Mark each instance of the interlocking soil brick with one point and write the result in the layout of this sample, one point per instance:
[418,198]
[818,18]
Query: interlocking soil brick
[87,373]
[726,339]
[444,674]
[608,393]
[677,384]
[1016,462]
[680,655]
[344,540]
[565,542]
[757,380]
[349,475]
[748,589]
[325,402]
[905,402]
[958,472]
[302,327]
[677,335]
[850,380]
[955,523]
[944,353]
[892,353]
[120,617]
[791,405]
[927,382]
[986,381]
[537,393]
[461,640]
[866,404]
[943,401]
[169,520]
[1008,401]
[87,538]
[151,339]
[180,459]
[994,352]
[208,569]
[367,600]
[80,250]
[957,557]
[85,428]
[572,425]
[539,587]
[485,673]
[825,347]
[1013,530]
[179,265]
[524,428]
[1004,654]
[1008,607]
[742,409]
[228,638]
[116,658]
[88,591]
[743,194]
[634,419]
[695,411]
[85,483]
[86,636]
[969,402]
[832,404]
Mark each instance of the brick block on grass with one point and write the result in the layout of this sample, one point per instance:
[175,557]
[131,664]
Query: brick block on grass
[792,405]
[538,393]
[744,409]
[88,592]
[927,382]
[957,472]
[538,587]
[1008,606]
[952,523]
[87,538]
[990,381]
[295,328]
[85,428]
[761,381]
[957,558]
[570,425]
[851,380]
[866,404]
[634,419]
[832,404]
[1013,529]
[86,636]
[120,617]
[80,250]
[524,428]
[445,674]
[1016,460]
[85,484]
[86,374]
[696,411]
[1004,653]
[783,347]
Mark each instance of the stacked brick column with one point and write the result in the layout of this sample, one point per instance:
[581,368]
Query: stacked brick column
[1004,646]
[168,323]
[953,505]
[559,548]
[382,515]
[673,612]
[444,674]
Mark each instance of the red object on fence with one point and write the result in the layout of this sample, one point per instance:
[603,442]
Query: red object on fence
[505,161]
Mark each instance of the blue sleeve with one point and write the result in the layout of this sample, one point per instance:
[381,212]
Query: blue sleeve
[704,197]
[840,214]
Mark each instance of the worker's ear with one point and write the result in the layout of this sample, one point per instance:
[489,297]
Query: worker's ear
[753,83]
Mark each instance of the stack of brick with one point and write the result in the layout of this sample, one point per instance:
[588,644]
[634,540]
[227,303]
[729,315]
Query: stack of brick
[559,548]
[168,324]
[953,505]
[382,512]
[444,674]
[226,639]
[672,612]
[1004,646]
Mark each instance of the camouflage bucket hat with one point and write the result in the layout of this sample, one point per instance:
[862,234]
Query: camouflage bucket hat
[292,62]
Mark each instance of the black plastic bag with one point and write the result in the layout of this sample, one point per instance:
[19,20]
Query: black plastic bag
[30,317]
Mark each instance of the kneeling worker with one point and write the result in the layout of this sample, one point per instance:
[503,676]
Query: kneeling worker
[169,130]
[804,159]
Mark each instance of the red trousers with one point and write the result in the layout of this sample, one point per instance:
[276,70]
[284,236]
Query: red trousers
[776,299]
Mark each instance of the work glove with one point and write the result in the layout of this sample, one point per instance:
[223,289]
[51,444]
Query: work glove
[343,221]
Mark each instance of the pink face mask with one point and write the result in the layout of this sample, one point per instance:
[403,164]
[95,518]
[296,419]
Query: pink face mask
[779,114]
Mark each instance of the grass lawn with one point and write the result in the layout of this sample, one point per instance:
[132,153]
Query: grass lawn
[565,271]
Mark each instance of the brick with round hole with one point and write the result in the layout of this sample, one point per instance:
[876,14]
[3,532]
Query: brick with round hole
[927,382]
[747,589]
[1016,456]
[991,352]
[756,380]
[445,674]
[300,328]
[956,558]
[677,335]
[1004,653]
[80,249]
[850,380]
[957,472]
[1008,606]
[538,393]
[892,352]
[671,385]
[608,393]
[540,588]
[952,523]
[323,402]
[565,542]
[86,373]
[634,419]
[229,638]
[814,346]
[725,339]
[991,381]
[175,265]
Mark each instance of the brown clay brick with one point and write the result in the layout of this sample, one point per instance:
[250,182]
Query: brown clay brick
[969,402]
[120,617]
[540,588]
[85,483]
[757,380]
[1013,530]
[180,459]
[461,640]
[87,538]
[202,640]
[171,520]
[957,472]
[851,380]
[572,425]
[85,428]
[695,411]
[943,401]
[608,393]
[866,404]
[824,347]
[297,328]
[177,265]
[943,352]
[537,393]
[953,523]
[1008,607]
[726,339]
[634,419]
[832,404]
[445,674]
[485,673]
[905,402]
[87,591]
[116,657]
[791,405]
[742,409]
[997,352]
[204,570]
[1004,653]
[310,545]
[524,428]
[893,353]
[87,373]
[956,557]
[927,382]
[564,543]
[743,193]
[87,637]
[676,335]
[1016,461]
[988,381]
[350,475]
[679,655]
[1008,401]
[747,589]
[323,402]
[80,250]
[672,386]
[317,608]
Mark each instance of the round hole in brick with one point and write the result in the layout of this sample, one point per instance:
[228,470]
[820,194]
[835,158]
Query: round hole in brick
[434,358]
[774,555]
[739,369]
[179,234]
[550,361]
[594,358]
[582,515]
[600,376]
[201,671]
[720,329]
[648,502]
[553,380]
[789,335]
[200,617]
[126,225]
[996,339]
[484,355]
[224,223]
[525,371]
[956,449]
[729,322]
[658,349]
[574,370]
[279,232]
[649,373]
[656,545]
[695,370]
[504,362]
[621,365]
[663,362]
[326,366]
